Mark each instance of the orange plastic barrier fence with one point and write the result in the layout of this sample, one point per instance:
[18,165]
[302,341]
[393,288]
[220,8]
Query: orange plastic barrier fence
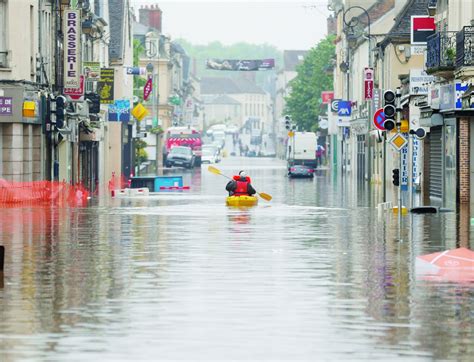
[42,192]
[116,183]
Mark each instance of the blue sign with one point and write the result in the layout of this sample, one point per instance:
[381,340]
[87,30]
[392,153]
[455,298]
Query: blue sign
[344,108]
[120,111]
[404,170]
[135,70]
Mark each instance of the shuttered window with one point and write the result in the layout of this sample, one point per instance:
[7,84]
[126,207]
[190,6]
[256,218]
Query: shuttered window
[436,162]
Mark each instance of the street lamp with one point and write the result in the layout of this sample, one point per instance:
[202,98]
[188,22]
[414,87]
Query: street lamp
[352,38]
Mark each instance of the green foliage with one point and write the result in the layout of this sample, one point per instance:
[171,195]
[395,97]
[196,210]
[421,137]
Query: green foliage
[140,153]
[304,101]
[138,82]
[156,130]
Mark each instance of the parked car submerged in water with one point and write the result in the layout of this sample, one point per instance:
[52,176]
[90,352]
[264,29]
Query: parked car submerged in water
[300,171]
[180,156]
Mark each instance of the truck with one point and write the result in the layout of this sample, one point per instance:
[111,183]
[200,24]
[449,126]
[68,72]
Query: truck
[301,149]
[184,136]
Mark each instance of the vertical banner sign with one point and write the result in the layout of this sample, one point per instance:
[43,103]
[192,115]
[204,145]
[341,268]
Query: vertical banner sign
[147,88]
[368,83]
[404,170]
[106,86]
[72,54]
[415,148]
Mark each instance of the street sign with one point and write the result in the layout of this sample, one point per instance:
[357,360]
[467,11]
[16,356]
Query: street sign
[335,105]
[344,108]
[379,119]
[323,123]
[398,141]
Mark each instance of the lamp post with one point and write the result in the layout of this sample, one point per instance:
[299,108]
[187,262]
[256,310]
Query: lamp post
[353,23]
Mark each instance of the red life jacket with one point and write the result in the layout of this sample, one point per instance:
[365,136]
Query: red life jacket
[241,188]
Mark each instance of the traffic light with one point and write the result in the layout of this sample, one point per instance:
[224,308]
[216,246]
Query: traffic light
[389,109]
[60,111]
[287,122]
[420,133]
[94,102]
[396,176]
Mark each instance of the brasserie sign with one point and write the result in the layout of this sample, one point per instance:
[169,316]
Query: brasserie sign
[72,22]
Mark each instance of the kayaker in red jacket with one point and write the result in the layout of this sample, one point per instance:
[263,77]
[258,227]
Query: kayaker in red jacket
[240,185]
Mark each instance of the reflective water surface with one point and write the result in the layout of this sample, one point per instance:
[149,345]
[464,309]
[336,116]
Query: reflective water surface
[313,275]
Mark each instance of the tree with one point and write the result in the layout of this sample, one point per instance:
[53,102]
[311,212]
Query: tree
[138,81]
[304,102]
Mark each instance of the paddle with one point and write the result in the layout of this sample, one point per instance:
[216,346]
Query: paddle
[263,195]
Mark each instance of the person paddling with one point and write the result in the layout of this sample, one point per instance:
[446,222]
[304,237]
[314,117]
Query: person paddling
[240,185]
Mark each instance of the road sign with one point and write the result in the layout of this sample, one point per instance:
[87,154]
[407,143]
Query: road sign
[335,105]
[327,96]
[379,119]
[344,108]
[398,141]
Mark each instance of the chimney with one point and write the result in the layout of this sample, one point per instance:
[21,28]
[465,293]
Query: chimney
[144,15]
[155,18]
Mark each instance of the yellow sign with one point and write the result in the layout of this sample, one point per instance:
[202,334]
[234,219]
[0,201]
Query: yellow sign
[404,127]
[139,112]
[29,109]
[291,134]
[398,141]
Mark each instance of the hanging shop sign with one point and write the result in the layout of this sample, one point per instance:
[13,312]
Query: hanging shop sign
[91,70]
[327,96]
[421,28]
[241,65]
[106,86]
[419,82]
[368,83]
[119,111]
[76,94]
[72,54]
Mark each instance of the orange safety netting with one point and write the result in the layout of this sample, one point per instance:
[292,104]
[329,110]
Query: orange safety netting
[42,192]
[116,183]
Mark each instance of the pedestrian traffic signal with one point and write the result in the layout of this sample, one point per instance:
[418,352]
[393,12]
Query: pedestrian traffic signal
[396,176]
[287,122]
[60,111]
[389,109]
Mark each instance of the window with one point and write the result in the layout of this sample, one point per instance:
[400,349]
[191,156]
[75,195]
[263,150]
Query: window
[3,33]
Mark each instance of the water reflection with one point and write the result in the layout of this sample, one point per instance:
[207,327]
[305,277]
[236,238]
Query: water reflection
[315,272]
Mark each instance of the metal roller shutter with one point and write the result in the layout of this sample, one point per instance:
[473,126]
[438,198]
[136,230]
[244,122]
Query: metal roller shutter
[436,162]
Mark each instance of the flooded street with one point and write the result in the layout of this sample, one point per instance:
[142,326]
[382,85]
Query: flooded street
[314,274]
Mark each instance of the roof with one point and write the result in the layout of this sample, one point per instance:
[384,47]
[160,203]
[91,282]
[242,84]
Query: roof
[400,32]
[224,99]
[223,85]
[292,58]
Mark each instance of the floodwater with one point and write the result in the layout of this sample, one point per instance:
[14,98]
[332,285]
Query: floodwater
[315,274]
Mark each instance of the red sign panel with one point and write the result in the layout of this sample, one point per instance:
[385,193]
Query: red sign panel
[327,96]
[147,89]
[76,94]
[368,83]
[421,28]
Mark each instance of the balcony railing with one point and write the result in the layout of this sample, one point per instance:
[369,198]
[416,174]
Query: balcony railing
[465,47]
[441,52]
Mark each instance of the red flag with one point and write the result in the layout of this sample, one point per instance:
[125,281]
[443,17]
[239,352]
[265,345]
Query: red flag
[147,89]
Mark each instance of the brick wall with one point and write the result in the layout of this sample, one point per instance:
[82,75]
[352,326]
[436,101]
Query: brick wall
[464,172]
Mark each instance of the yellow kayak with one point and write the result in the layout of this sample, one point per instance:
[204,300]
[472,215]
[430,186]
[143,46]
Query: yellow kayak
[241,201]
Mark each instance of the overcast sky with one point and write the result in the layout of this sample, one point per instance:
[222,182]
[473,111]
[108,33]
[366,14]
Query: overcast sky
[296,25]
